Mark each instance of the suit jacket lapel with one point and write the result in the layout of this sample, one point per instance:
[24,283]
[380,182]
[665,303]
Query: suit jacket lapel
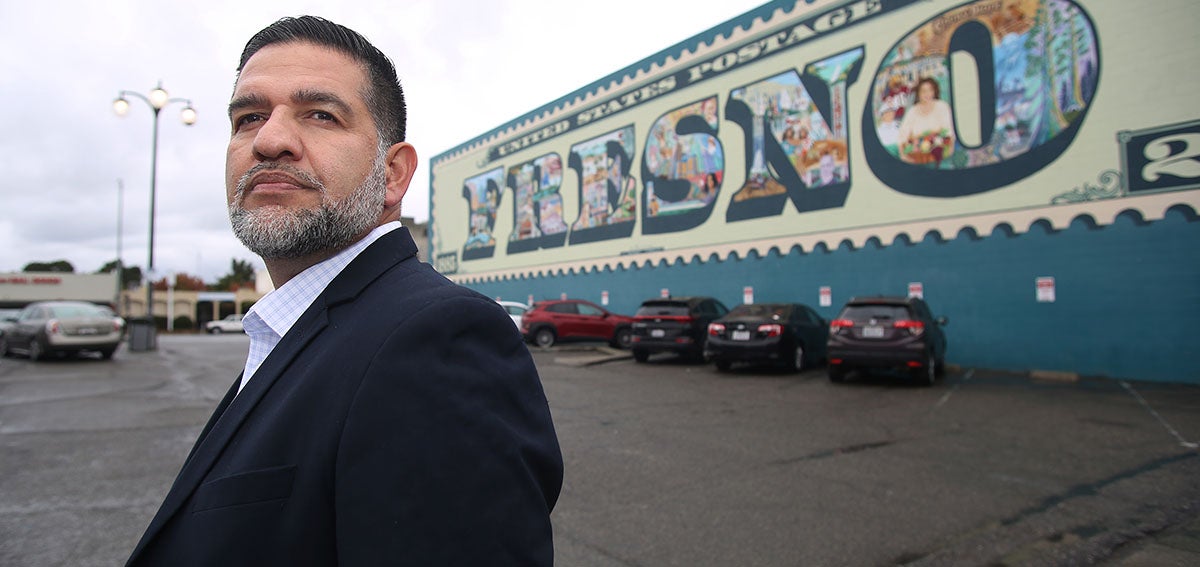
[226,419]
[217,413]
[379,257]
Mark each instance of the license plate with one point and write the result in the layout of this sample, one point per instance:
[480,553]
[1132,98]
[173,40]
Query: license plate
[87,331]
[872,332]
[741,335]
[658,333]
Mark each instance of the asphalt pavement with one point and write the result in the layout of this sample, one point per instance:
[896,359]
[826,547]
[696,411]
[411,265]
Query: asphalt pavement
[1166,536]
[669,463]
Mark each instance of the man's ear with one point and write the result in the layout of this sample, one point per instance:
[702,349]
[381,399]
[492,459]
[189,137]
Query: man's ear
[401,165]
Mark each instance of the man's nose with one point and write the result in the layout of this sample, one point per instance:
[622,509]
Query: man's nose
[278,139]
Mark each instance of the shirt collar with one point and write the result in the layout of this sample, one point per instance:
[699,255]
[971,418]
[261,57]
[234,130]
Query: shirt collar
[281,308]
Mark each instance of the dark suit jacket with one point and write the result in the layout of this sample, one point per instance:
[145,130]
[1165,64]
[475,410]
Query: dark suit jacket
[401,421]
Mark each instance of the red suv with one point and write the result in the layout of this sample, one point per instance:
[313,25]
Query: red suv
[548,322]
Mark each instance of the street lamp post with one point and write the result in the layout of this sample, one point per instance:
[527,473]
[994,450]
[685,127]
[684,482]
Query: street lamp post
[157,100]
[120,264]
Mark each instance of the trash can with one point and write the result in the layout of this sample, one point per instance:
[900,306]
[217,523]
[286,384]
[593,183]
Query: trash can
[142,335]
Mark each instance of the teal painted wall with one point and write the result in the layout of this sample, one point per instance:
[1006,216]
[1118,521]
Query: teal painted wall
[1127,306]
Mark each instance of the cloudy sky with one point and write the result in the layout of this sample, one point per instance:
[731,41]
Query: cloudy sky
[466,67]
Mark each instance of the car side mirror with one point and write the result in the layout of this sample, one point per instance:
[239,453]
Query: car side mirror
[943,321]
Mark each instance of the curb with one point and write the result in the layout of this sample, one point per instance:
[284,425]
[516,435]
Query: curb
[1054,376]
[600,355]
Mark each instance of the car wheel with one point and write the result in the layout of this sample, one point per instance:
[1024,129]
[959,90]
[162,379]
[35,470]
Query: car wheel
[623,338]
[640,355]
[544,337]
[36,350]
[107,353]
[723,365]
[927,375]
[837,373]
[797,362]
[3,346]
[215,330]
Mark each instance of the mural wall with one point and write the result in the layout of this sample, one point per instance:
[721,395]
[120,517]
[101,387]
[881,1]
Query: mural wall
[801,123]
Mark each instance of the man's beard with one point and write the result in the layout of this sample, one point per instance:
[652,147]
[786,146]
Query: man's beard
[274,232]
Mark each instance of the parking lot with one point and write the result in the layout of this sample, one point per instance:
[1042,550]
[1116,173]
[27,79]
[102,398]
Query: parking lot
[670,463]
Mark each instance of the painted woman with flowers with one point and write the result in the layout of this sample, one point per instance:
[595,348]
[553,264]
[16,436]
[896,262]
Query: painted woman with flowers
[926,134]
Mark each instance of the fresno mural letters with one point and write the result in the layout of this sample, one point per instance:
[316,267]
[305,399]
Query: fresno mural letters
[1036,68]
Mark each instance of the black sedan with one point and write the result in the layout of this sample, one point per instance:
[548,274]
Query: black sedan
[787,334]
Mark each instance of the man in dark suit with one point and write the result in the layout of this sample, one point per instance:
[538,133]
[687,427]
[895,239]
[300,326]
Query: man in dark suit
[385,416]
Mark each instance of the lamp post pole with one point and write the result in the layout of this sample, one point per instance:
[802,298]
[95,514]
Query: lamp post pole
[120,229]
[157,100]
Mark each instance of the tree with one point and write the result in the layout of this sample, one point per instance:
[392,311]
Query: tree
[241,274]
[60,266]
[183,282]
[189,283]
[130,275]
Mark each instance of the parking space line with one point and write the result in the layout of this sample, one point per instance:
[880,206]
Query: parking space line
[1141,400]
[946,396]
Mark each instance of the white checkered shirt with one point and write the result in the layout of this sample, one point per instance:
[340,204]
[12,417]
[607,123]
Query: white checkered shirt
[272,317]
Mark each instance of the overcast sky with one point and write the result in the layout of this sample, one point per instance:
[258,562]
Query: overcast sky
[466,67]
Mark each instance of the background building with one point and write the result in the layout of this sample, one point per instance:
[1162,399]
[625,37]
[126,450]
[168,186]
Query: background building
[1030,167]
[18,289]
[197,307]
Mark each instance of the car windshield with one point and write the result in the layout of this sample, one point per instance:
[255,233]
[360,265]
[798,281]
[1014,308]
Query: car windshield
[761,310]
[670,309]
[877,312]
[73,311]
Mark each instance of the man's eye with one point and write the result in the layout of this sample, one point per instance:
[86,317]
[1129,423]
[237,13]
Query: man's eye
[246,119]
[321,115]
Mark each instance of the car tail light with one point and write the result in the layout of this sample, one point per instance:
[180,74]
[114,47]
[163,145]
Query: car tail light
[676,318]
[835,361]
[770,330]
[52,327]
[716,329]
[914,364]
[118,324]
[914,327]
[836,325]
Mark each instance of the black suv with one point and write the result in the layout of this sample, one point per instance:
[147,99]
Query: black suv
[674,324]
[887,332]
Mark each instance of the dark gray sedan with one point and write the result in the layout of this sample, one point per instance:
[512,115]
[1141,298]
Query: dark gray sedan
[791,335]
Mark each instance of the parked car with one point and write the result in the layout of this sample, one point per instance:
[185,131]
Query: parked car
[787,334]
[64,327]
[549,322]
[676,324]
[230,324]
[515,310]
[8,318]
[887,332]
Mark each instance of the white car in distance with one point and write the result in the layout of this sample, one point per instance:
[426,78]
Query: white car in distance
[230,324]
[515,310]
